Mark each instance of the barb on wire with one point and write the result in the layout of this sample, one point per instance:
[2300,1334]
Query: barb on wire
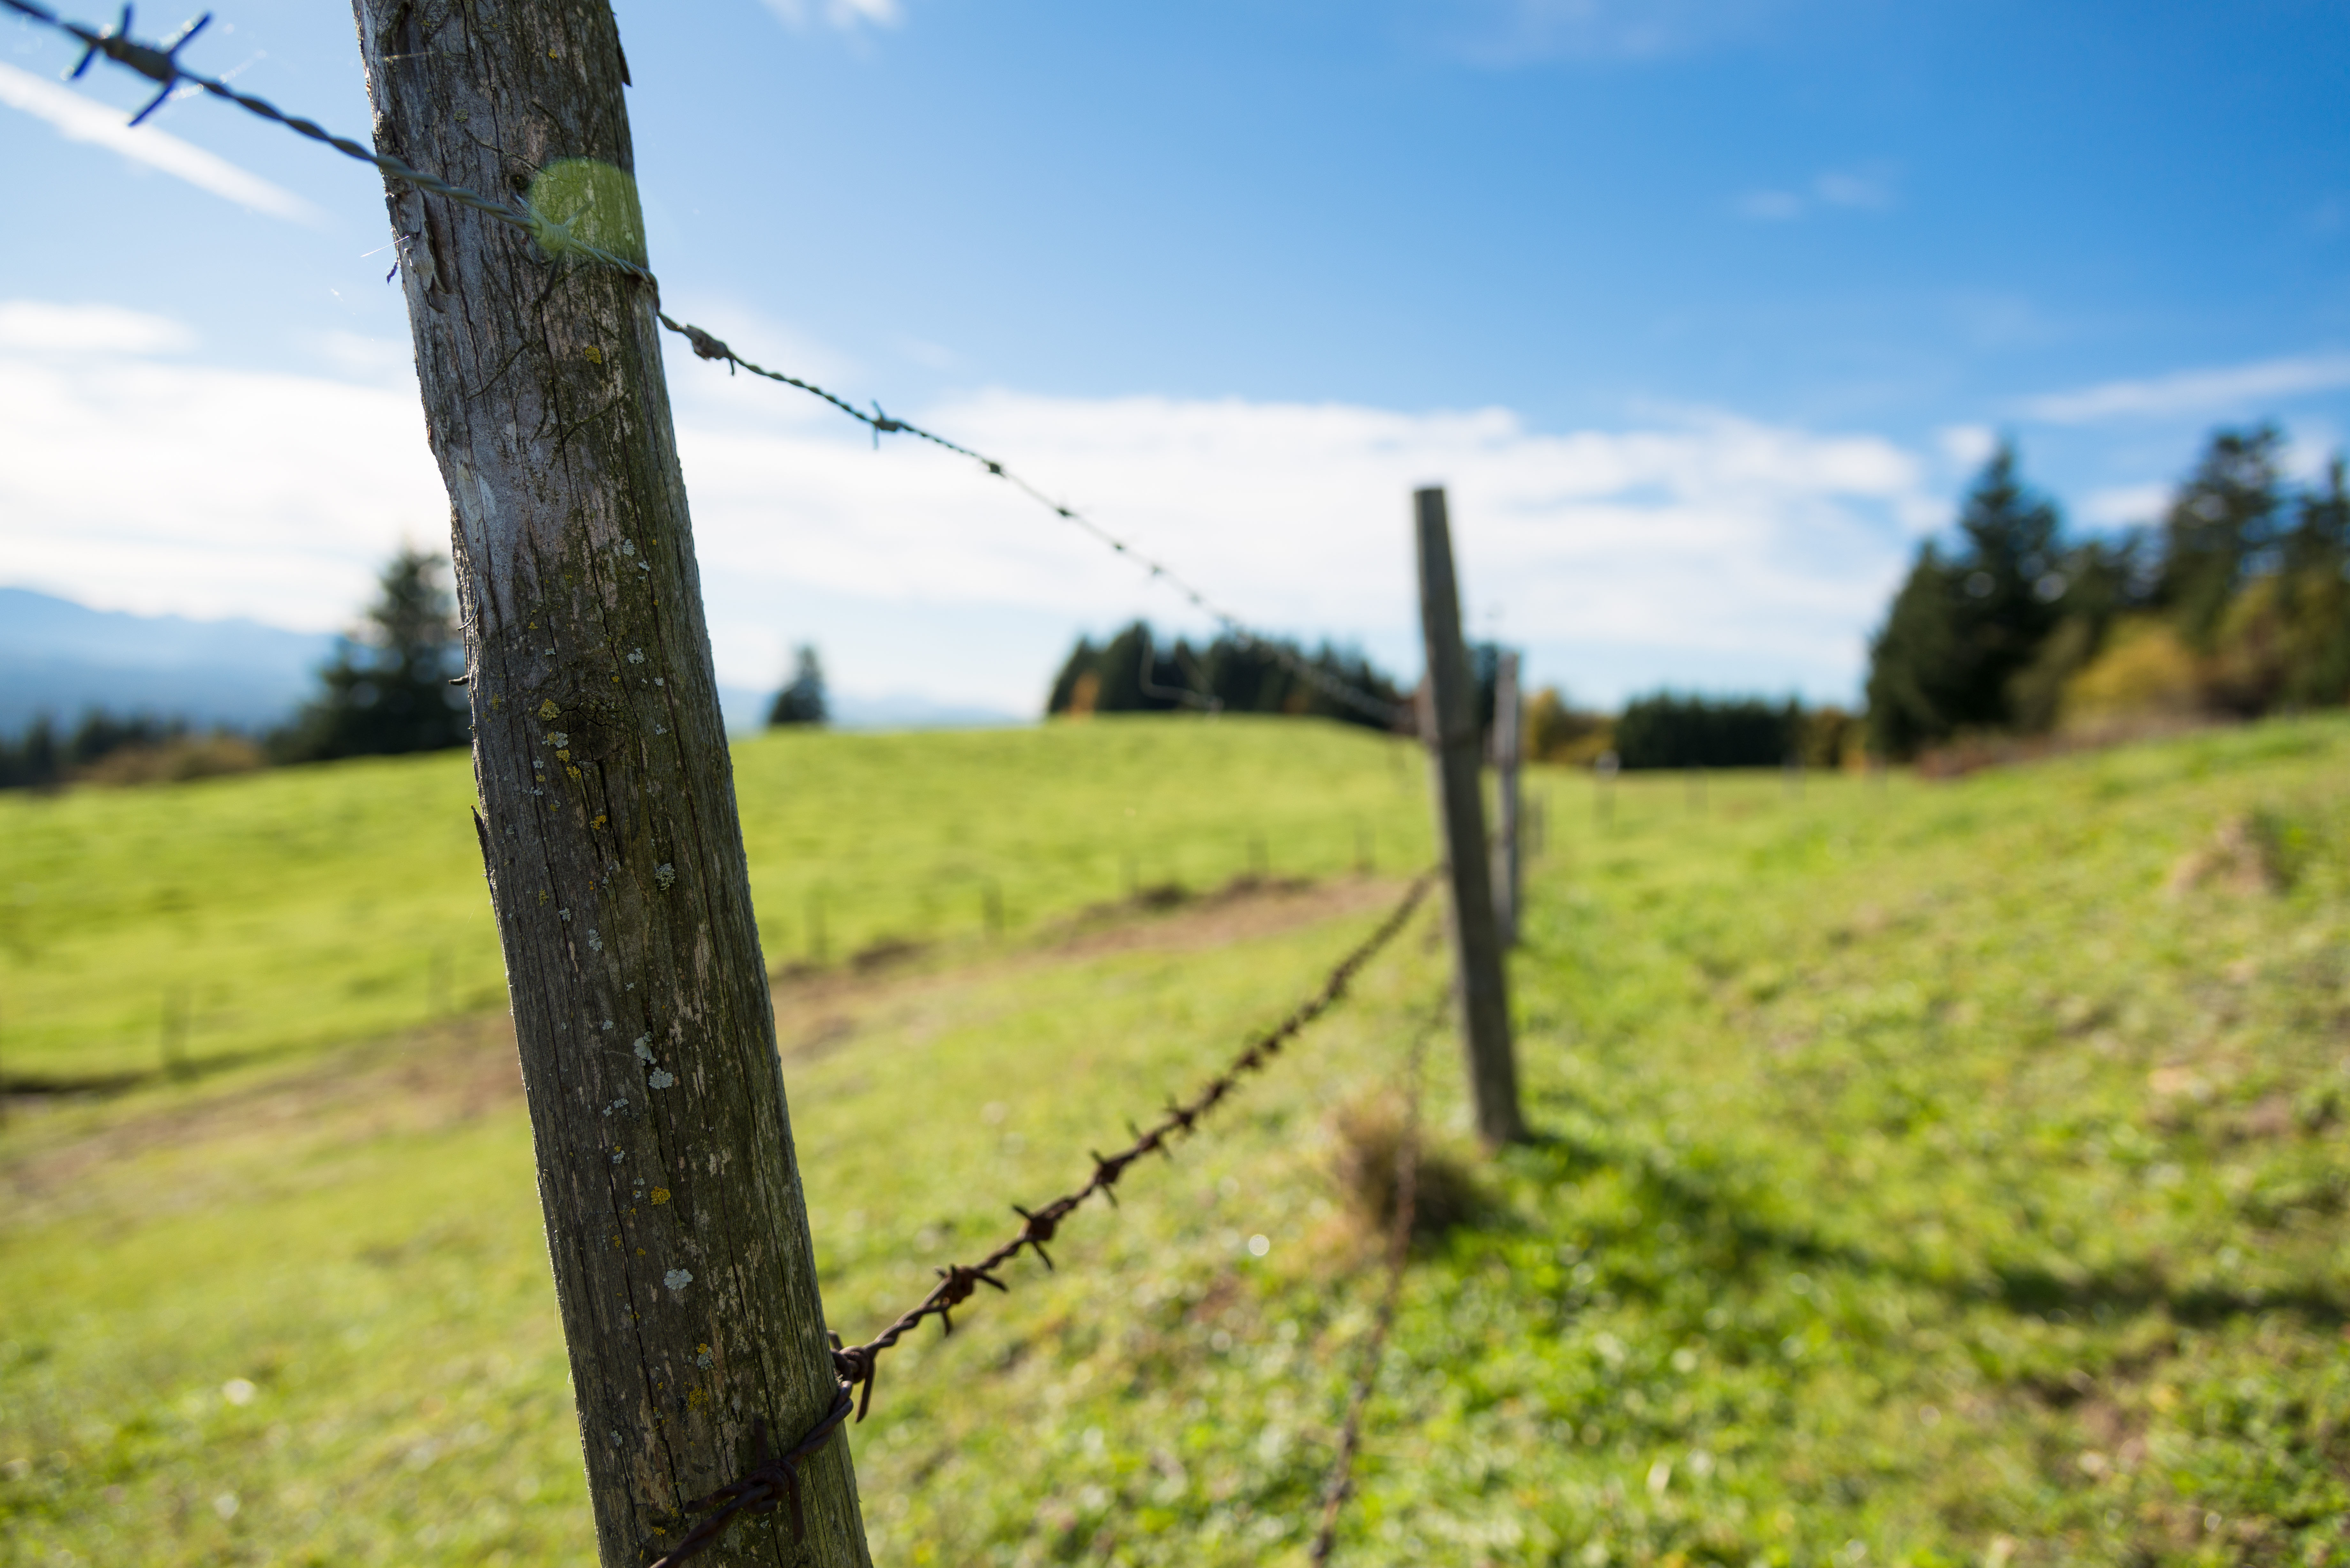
[1341,1484]
[857,1363]
[1393,715]
[775,1479]
[160,66]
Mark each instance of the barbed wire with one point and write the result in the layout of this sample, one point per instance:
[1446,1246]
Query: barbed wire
[857,1363]
[1341,1484]
[1390,713]
[776,1479]
[160,64]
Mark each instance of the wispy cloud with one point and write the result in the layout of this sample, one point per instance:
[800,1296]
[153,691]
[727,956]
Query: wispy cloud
[2237,389]
[41,327]
[1969,446]
[80,119]
[1868,189]
[843,15]
[1698,543]
[2121,505]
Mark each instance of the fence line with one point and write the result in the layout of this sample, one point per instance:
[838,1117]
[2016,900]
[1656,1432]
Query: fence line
[1341,1484]
[160,64]
[774,1479]
[1391,714]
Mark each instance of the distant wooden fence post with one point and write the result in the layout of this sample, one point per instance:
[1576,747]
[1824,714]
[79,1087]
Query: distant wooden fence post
[1506,828]
[1448,720]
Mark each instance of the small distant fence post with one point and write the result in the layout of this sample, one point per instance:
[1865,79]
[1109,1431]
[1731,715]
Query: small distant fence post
[1450,726]
[1507,826]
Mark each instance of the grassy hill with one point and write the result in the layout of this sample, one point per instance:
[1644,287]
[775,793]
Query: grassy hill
[284,911]
[1931,1174]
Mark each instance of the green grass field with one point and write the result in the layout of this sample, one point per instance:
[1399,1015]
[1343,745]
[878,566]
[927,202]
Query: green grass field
[1932,1174]
[296,909]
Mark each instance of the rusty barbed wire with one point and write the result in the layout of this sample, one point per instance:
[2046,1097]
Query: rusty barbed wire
[1341,1484]
[1392,715]
[857,1363]
[160,64]
[776,1479]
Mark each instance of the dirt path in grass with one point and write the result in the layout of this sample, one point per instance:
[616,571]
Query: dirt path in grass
[59,1156]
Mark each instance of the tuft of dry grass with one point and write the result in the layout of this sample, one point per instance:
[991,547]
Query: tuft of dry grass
[1366,1135]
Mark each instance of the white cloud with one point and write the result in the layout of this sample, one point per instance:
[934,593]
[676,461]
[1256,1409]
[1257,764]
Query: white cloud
[380,361]
[1716,535]
[80,118]
[2230,389]
[159,486]
[843,15]
[2121,505]
[43,327]
[1868,189]
[1968,446]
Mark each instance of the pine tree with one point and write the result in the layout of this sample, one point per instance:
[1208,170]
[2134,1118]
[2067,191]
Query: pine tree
[802,701]
[2221,521]
[388,688]
[1911,661]
[2314,597]
[2096,582]
[1962,630]
[1135,673]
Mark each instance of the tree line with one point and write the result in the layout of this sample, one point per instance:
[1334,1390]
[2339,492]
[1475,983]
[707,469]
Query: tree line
[1135,672]
[2234,605]
[386,690]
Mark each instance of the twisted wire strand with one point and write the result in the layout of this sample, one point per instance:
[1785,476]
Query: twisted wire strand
[1391,714]
[857,1363]
[160,64]
[1340,1486]
[775,1480]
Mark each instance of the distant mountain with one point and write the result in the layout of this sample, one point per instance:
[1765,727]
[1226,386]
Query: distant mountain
[60,658]
[746,712]
[912,711]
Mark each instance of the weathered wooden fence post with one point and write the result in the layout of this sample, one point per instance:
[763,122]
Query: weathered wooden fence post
[1506,827]
[674,1214]
[1448,720]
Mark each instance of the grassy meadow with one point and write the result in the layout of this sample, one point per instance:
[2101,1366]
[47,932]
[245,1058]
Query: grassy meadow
[1929,1173]
[259,916]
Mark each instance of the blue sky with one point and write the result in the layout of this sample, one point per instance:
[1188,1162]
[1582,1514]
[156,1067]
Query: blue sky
[1704,307]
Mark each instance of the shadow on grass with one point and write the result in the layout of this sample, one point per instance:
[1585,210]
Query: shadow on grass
[103,1085]
[1729,1211]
